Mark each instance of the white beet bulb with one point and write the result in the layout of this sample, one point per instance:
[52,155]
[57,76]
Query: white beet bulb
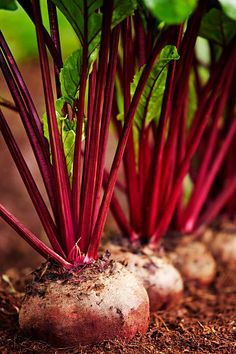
[194,262]
[222,244]
[88,309]
[160,278]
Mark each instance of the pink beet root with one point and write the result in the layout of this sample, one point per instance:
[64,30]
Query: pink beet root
[160,278]
[88,308]
[194,262]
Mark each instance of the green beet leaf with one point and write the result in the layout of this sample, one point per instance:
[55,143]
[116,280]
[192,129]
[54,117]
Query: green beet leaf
[8,5]
[149,107]
[70,76]
[217,27]
[68,138]
[122,9]
[77,14]
[171,11]
[67,130]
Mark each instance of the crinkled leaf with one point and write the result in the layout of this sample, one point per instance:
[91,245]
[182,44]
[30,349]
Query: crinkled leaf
[68,138]
[59,104]
[229,7]
[122,9]
[8,5]
[217,27]
[70,76]
[171,11]
[45,126]
[150,102]
[77,13]
[67,130]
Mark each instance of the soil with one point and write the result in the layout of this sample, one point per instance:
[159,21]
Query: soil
[204,322]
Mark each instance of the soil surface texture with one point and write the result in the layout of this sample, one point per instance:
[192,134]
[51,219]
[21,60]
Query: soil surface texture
[204,322]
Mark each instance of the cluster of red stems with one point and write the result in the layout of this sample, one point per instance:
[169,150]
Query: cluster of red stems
[168,150]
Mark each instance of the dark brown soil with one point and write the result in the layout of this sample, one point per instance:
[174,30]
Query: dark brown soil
[205,322]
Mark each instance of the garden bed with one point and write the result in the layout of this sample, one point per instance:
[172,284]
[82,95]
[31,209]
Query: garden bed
[203,323]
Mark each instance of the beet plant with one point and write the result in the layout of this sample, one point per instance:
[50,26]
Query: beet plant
[209,186]
[99,299]
[178,120]
[206,196]
[174,153]
[137,55]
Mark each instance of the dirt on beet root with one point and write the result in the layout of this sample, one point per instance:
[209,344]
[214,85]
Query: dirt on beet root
[204,322]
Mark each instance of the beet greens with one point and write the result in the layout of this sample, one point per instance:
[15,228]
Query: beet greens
[136,63]
[174,153]
[75,125]
[71,227]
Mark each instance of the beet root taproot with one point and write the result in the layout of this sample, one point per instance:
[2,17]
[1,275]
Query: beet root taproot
[222,244]
[194,262]
[160,278]
[87,308]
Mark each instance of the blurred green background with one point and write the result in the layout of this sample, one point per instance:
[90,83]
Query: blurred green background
[20,33]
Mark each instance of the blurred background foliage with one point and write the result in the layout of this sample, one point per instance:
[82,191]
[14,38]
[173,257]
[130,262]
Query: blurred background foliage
[20,33]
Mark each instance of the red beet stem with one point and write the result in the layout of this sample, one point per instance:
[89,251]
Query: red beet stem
[204,112]
[106,117]
[31,186]
[78,140]
[133,192]
[52,15]
[31,239]
[87,207]
[96,237]
[58,158]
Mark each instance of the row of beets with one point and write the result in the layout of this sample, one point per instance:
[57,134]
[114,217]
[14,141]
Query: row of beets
[174,118]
